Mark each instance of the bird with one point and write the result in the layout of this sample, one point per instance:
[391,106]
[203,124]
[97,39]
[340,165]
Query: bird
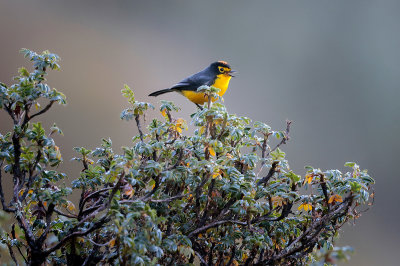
[217,74]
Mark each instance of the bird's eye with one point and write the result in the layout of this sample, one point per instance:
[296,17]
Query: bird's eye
[221,69]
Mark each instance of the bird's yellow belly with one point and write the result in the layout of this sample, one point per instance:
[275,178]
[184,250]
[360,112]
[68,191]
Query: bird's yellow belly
[221,83]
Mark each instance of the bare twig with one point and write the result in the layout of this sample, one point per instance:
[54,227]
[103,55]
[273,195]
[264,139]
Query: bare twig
[324,190]
[312,231]
[18,248]
[214,224]
[73,233]
[271,172]
[49,213]
[62,242]
[12,254]
[11,113]
[170,199]
[93,194]
[201,259]
[48,106]
[205,213]
[284,139]
[65,214]
[137,119]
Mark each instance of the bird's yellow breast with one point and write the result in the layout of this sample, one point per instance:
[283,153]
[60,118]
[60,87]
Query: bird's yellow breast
[221,82]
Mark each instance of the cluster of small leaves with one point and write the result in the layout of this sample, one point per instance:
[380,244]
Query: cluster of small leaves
[223,195]
[28,155]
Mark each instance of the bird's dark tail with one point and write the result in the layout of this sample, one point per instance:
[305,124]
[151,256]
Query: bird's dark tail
[156,93]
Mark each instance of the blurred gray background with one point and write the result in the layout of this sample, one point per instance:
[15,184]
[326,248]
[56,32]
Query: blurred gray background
[330,66]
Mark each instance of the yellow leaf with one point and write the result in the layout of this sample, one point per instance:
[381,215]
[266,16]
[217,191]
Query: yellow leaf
[218,121]
[244,256]
[200,235]
[58,153]
[211,151]
[335,198]
[129,191]
[181,122]
[21,192]
[70,206]
[30,191]
[178,129]
[277,201]
[202,129]
[111,243]
[308,178]
[164,113]
[305,206]
[37,105]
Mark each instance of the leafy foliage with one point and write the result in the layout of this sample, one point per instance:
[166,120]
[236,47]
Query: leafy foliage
[222,195]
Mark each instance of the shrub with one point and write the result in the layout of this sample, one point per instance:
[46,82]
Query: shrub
[220,196]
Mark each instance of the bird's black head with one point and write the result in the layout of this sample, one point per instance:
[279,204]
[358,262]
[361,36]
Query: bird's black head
[221,67]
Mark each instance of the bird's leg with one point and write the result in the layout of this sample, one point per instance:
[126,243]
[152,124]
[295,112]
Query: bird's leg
[201,108]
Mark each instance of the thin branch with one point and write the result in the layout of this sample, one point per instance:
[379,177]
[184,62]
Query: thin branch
[11,113]
[271,172]
[224,123]
[214,224]
[72,233]
[65,214]
[29,236]
[284,139]
[18,248]
[198,192]
[97,244]
[169,199]
[62,242]
[12,254]
[26,115]
[232,256]
[95,206]
[226,207]
[93,194]
[156,186]
[139,127]
[205,214]
[49,213]
[31,176]
[178,161]
[317,225]
[48,106]
[201,258]
[324,190]
[210,253]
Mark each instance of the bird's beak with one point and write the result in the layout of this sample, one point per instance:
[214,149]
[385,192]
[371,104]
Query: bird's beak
[231,72]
